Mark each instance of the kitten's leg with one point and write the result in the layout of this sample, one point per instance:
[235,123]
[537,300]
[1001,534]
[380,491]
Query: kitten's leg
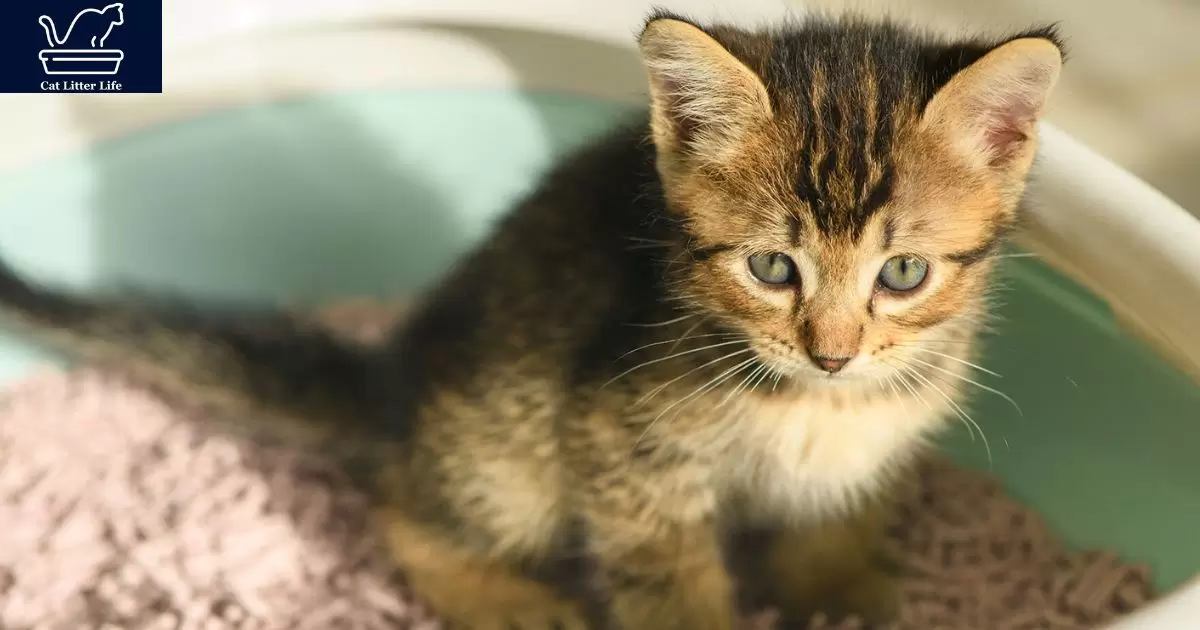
[469,591]
[663,576]
[837,568]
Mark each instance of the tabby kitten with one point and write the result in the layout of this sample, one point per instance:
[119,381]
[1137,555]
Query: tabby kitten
[733,318]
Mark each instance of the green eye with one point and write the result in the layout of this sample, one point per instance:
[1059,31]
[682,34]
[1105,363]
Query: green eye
[903,273]
[773,268]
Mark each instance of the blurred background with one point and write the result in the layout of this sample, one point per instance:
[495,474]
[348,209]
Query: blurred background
[1131,89]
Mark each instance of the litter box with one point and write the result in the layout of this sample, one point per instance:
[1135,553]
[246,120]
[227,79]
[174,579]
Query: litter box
[81,61]
[308,150]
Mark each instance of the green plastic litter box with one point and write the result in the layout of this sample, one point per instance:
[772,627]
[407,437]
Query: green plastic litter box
[308,150]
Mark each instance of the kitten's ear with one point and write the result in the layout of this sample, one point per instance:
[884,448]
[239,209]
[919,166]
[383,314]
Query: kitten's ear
[702,97]
[991,108]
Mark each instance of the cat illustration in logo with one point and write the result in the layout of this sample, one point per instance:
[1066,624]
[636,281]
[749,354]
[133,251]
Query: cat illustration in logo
[89,28]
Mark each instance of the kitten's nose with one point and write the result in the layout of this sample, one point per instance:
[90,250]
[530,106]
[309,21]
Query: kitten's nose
[831,364]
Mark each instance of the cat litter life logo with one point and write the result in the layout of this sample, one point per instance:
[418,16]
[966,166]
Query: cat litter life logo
[81,46]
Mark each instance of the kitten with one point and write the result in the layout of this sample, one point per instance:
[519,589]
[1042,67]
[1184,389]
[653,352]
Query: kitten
[89,28]
[736,317]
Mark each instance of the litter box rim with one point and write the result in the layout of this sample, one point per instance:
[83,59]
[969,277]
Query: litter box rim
[1082,207]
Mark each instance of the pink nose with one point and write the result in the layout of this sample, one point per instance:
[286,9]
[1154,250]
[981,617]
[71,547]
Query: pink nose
[831,364]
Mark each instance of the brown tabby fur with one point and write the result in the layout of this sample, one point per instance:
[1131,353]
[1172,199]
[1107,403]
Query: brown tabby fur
[576,426]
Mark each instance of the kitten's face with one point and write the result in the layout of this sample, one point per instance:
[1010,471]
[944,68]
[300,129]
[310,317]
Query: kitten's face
[860,300]
[842,219]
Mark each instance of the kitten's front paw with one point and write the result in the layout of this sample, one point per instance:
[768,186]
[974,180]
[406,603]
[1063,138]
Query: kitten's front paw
[872,596]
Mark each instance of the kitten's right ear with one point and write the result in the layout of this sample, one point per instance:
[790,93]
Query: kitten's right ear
[702,97]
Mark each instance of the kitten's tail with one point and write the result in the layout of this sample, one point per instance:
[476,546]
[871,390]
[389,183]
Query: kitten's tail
[295,377]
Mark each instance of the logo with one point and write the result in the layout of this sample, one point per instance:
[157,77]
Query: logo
[81,46]
[94,60]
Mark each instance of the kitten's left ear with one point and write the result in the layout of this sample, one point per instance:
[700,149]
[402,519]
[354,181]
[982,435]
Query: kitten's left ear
[991,108]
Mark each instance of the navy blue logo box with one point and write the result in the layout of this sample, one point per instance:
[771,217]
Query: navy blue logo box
[100,46]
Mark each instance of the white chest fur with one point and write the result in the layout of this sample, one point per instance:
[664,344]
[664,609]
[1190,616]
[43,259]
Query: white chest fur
[814,454]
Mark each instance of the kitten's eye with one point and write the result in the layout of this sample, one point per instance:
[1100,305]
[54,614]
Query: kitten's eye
[903,273]
[773,268]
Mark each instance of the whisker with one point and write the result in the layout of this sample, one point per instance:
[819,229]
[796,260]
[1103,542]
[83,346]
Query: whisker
[926,383]
[912,390]
[958,360]
[649,243]
[899,396]
[671,356]
[764,376]
[654,392]
[963,415]
[979,385]
[736,390]
[676,341]
[712,384]
[688,332]
[715,382]
[666,323]
[922,344]
[669,263]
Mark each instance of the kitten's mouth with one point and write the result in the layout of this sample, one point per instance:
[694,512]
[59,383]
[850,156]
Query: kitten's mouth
[836,379]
